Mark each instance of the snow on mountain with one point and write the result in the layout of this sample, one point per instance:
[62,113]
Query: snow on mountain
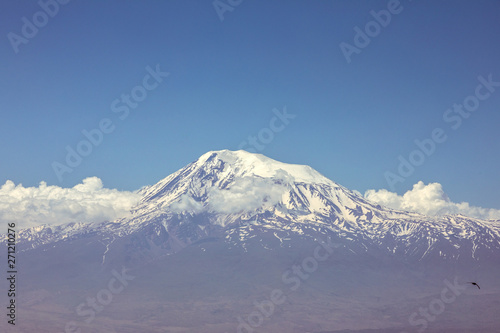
[239,196]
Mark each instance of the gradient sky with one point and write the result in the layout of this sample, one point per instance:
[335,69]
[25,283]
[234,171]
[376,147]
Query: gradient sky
[352,121]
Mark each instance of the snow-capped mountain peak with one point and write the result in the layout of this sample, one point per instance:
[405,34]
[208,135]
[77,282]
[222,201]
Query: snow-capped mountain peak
[235,182]
[237,195]
[244,163]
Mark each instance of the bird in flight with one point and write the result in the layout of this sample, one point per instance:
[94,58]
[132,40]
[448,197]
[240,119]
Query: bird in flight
[475,284]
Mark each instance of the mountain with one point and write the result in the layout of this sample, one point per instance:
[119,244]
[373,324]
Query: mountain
[239,195]
[224,229]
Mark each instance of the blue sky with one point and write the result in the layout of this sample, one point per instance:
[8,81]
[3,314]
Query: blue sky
[352,120]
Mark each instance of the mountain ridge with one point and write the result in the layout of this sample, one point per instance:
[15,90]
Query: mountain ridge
[239,195]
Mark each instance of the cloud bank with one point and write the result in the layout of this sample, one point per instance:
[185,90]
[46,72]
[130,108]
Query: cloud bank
[85,202]
[91,202]
[429,200]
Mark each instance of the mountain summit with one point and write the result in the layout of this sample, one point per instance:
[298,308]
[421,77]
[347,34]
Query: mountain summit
[226,181]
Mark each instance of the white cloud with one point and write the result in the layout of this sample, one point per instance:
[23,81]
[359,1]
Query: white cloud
[186,204]
[429,200]
[245,194]
[85,202]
